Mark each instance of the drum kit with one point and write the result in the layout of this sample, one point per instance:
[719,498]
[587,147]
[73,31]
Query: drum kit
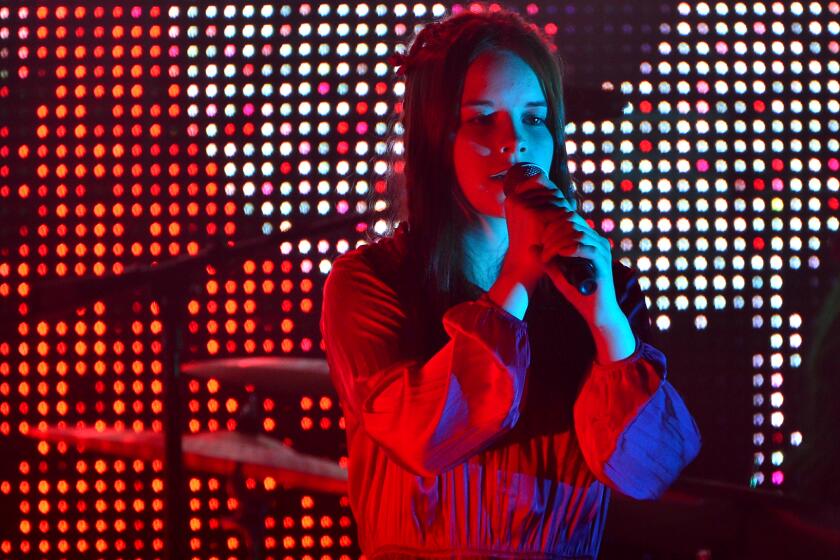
[241,456]
[222,452]
[235,455]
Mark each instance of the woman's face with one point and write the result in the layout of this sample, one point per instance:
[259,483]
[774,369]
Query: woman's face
[502,121]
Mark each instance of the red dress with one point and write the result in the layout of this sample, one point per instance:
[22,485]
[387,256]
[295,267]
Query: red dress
[507,441]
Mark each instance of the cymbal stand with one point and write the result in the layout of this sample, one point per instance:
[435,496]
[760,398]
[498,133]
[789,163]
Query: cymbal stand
[172,304]
[254,504]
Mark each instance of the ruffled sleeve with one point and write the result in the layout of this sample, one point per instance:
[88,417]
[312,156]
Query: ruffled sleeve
[634,429]
[426,416]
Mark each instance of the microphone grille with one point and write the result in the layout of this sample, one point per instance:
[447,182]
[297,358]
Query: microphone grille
[517,173]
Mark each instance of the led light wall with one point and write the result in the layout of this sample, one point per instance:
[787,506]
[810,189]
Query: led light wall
[141,133]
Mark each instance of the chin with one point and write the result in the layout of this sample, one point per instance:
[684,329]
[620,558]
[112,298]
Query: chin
[494,210]
[487,200]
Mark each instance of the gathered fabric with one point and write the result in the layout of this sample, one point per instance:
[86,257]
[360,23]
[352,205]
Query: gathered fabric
[507,442]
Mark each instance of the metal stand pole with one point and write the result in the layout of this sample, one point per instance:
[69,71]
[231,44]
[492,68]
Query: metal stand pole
[176,528]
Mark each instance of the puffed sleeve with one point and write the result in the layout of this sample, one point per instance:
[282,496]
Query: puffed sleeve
[634,430]
[427,416]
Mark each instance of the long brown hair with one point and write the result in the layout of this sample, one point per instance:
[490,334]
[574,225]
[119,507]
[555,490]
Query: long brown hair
[427,193]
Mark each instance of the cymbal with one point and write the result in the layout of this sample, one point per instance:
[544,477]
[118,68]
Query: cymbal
[260,457]
[268,374]
[223,453]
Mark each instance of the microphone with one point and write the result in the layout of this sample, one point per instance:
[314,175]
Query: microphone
[580,272]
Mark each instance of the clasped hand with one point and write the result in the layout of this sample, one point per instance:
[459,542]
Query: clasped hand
[565,233]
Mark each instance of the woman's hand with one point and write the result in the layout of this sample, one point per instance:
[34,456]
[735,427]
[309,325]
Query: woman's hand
[565,233]
[571,236]
[527,209]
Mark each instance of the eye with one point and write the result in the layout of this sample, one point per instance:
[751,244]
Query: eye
[480,119]
[534,120]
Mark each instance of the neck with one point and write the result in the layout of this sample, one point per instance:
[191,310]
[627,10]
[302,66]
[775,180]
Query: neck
[485,243]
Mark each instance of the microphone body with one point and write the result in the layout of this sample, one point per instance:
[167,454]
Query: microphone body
[580,272]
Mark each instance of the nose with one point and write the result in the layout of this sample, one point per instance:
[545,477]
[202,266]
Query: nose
[518,146]
[512,139]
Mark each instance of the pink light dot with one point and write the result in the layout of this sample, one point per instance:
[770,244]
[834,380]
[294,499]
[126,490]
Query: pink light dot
[323,88]
[703,165]
[833,164]
[778,185]
[778,477]
[136,12]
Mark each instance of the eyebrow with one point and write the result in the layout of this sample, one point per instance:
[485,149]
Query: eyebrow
[474,102]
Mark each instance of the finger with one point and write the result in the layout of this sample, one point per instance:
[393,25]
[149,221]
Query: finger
[546,198]
[537,182]
[568,248]
[546,192]
[564,249]
[559,229]
[548,204]
[567,213]
[561,237]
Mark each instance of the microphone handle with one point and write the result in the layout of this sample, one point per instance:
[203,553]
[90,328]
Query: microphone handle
[580,272]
